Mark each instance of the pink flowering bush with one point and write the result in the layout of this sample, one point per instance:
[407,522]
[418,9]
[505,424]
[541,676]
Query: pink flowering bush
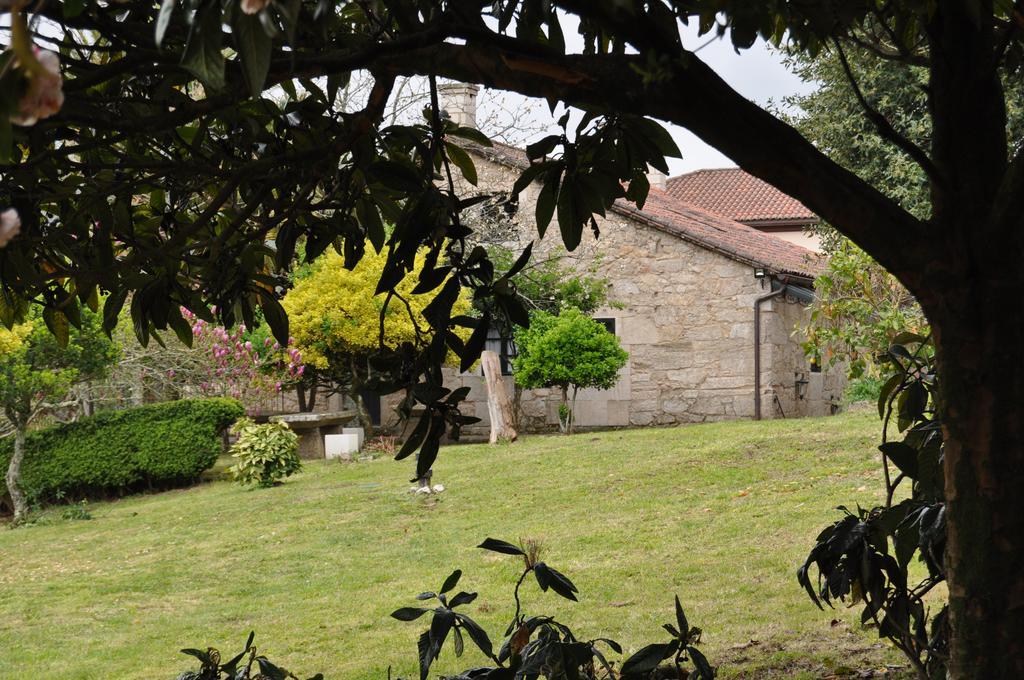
[236,367]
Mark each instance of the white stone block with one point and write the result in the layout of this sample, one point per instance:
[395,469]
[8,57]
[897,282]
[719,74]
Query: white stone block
[358,431]
[342,446]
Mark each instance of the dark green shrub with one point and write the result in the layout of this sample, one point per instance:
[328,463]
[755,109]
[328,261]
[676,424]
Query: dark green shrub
[539,646]
[266,453]
[114,452]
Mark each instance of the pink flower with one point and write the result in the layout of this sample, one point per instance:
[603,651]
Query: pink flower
[254,6]
[44,95]
[10,225]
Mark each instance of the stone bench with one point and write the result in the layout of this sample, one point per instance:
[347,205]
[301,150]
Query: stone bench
[311,428]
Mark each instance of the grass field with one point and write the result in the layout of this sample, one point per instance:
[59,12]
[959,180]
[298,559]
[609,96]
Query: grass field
[721,514]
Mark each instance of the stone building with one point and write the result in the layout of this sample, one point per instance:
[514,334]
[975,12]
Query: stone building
[707,308]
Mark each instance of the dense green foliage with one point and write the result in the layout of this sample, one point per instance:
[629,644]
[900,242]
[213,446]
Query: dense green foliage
[865,557]
[860,307]
[569,351]
[41,358]
[114,452]
[858,311]
[266,453]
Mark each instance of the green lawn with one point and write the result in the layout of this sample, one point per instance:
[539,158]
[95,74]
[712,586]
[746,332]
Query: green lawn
[721,514]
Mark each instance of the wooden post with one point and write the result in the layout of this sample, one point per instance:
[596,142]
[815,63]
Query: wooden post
[499,407]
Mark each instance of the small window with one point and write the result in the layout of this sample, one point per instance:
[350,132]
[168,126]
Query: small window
[815,364]
[505,348]
[608,323]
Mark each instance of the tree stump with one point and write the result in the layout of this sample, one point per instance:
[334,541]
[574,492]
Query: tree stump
[499,406]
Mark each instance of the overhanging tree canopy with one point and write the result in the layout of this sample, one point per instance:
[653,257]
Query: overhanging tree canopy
[167,173]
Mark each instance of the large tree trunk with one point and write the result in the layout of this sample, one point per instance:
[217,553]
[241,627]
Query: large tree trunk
[499,408]
[14,472]
[982,374]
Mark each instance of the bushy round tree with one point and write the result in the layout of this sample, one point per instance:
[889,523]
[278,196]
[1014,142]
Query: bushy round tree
[41,358]
[569,351]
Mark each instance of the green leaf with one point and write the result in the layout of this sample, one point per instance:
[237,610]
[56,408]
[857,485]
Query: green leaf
[521,261]
[462,160]
[451,581]
[547,199]
[395,175]
[416,438]
[58,324]
[203,57]
[903,456]
[570,220]
[254,47]
[476,633]
[408,613]
[504,547]
[163,20]
[472,135]
[542,147]
[648,658]
[275,315]
[475,345]
[72,8]
[684,625]
[462,598]
[700,663]
[548,577]
[112,308]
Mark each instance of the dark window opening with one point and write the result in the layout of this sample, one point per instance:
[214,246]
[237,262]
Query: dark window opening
[608,323]
[505,348]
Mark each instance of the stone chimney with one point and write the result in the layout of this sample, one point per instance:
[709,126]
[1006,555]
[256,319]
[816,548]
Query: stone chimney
[656,178]
[458,100]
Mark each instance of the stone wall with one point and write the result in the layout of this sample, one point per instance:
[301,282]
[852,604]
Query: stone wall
[686,319]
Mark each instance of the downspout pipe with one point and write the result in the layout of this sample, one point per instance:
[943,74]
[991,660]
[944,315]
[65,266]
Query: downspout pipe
[757,346]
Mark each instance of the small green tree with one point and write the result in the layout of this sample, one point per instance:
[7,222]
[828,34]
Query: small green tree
[40,360]
[567,351]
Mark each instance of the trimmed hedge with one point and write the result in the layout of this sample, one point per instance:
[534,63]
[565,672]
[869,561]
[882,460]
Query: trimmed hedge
[114,452]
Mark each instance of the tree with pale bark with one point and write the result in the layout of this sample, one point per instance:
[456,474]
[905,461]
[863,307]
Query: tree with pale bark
[40,362]
[169,171]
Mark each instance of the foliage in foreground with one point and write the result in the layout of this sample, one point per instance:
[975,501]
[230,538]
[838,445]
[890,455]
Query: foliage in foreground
[534,646]
[266,453]
[114,452]
[540,646]
[865,557]
[246,665]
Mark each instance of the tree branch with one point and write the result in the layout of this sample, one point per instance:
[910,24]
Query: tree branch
[695,97]
[885,128]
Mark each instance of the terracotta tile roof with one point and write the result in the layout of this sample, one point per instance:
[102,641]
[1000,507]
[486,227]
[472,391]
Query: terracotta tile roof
[725,236]
[730,238]
[738,195]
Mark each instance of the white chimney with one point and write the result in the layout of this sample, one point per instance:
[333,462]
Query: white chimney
[458,100]
[656,178]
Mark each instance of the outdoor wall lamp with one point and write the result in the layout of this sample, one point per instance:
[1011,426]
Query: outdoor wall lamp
[759,273]
[801,385]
